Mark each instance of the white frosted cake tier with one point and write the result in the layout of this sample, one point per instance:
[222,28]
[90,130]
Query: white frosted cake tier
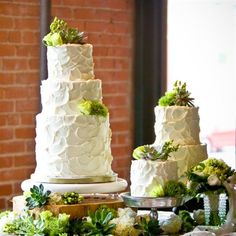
[62,97]
[70,146]
[145,174]
[177,123]
[188,156]
[70,62]
[110,187]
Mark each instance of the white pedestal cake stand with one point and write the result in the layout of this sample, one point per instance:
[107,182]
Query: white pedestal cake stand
[82,188]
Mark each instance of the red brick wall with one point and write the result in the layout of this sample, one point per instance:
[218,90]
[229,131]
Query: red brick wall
[109,26]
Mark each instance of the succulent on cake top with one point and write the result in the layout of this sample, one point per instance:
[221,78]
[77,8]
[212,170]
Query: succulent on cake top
[179,96]
[62,34]
[89,107]
[148,152]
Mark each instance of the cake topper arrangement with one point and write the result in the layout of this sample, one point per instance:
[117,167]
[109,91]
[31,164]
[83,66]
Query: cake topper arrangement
[148,152]
[179,96]
[61,33]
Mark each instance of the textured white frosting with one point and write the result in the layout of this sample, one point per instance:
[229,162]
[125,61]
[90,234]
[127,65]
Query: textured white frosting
[62,97]
[177,123]
[188,156]
[145,174]
[70,62]
[72,145]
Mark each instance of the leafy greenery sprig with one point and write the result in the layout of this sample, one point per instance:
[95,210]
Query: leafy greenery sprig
[88,107]
[148,152]
[62,34]
[37,197]
[179,96]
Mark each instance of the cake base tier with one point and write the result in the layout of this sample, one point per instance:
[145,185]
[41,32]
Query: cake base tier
[79,180]
[109,187]
[90,203]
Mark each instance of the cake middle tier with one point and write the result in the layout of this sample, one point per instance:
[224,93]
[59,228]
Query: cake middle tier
[73,145]
[62,97]
[180,124]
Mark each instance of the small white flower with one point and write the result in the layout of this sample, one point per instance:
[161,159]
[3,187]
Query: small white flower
[213,180]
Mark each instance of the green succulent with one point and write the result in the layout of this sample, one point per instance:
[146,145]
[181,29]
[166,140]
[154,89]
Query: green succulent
[148,226]
[37,197]
[148,152]
[61,34]
[179,96]
[99,222]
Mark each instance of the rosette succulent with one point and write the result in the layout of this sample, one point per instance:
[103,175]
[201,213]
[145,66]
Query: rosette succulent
[179,96]
[149,152]
[61,34]
[37,197]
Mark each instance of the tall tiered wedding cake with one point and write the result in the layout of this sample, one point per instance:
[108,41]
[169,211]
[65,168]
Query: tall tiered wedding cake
[176,148]
[73,133]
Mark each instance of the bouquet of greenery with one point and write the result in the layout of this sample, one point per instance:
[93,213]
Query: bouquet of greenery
[209,176]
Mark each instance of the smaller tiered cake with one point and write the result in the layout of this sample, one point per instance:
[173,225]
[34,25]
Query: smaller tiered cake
[177,120]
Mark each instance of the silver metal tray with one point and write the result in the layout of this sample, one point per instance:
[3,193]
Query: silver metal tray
[150,202]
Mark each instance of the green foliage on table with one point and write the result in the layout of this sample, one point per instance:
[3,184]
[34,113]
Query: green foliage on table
[37,197]
[61,34]
[96,108]
[149,152]
[44,224]
[148,226]
[70,198]
[188,222]
[179,96]
[99,222]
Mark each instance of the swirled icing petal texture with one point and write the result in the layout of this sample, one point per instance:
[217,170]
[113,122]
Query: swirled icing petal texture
[63,97]
[73,145]
[180,124]
[188,156]
[70,62]
[145,174]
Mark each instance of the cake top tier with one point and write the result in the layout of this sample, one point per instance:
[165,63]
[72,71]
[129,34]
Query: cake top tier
[69,57]
[70,62]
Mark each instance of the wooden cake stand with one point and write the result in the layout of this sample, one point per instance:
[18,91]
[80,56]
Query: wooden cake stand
[96,193]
